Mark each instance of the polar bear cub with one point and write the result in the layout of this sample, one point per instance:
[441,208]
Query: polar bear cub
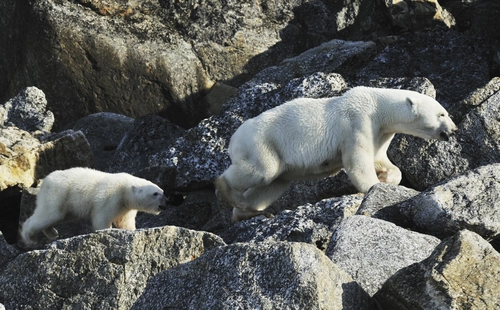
[105,198]
[314,138]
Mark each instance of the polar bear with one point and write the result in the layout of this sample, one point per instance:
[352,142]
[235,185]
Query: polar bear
[105,198]
[314,138]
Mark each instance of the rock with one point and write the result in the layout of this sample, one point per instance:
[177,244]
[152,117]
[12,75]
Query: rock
[417,15]
[461,273]
[112,267]
[468,201]
[372,250]
[312,224]
[103,131]
[441,57]
[26,159]
[27,111]
[382,197]
[139,147]
[154,56]
[269,275]
[7,252]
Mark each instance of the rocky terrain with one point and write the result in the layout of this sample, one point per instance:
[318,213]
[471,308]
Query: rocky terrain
[156,89]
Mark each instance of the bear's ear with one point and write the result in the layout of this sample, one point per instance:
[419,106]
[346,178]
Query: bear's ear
[136,189]
[412,104]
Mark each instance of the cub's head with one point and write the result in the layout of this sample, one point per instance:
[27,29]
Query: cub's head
[430,119]
[149,198]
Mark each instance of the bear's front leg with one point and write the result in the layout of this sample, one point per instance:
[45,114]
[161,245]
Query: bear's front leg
[126,221]
[388,173]
[359,166]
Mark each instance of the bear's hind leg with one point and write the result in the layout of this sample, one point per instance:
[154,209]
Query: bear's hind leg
[244,175]
[126,221]
[259,198]
[40,221]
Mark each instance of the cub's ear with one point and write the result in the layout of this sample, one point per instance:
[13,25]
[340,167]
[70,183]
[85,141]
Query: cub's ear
[412,104]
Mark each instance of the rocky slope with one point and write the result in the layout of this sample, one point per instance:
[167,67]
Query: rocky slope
[206,66]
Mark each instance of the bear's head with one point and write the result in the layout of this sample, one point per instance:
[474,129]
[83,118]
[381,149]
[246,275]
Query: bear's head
[430,120]
[149,198]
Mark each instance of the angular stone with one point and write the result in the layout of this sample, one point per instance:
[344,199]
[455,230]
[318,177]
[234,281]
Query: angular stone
[103,131]
[268,275]
[461,273]
[108,269]
[372,250]
[380,199]
[312,224]
[27,111]
[468,201]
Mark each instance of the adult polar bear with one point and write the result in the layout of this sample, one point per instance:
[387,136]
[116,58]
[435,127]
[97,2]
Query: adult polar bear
[105,198]
[315,138]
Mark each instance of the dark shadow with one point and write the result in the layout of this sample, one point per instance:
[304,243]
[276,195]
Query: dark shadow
[10,200]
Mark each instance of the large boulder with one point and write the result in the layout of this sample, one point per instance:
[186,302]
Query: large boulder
[468,201]
[154,56]
[372,250]
[26,159]
[269,275]
[461,273]
[312,224]
[104,132]
[106,270]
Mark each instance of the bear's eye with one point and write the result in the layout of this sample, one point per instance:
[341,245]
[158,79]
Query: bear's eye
[155,194]
[442,115]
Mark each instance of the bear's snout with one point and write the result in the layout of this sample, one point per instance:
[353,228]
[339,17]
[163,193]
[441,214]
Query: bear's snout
[446,134]
[163,203]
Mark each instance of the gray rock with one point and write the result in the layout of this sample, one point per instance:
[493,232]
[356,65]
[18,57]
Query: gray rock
[103,131]
[468,201]
[154,56]
[27,111]
[441,57]
[106,270]
[139,147]
[461,273]
[372,250]
[381,199]
[7,252]
[312,224]
[269,275]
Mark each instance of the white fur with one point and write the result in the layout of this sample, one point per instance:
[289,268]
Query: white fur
[104,198]
[314,138]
